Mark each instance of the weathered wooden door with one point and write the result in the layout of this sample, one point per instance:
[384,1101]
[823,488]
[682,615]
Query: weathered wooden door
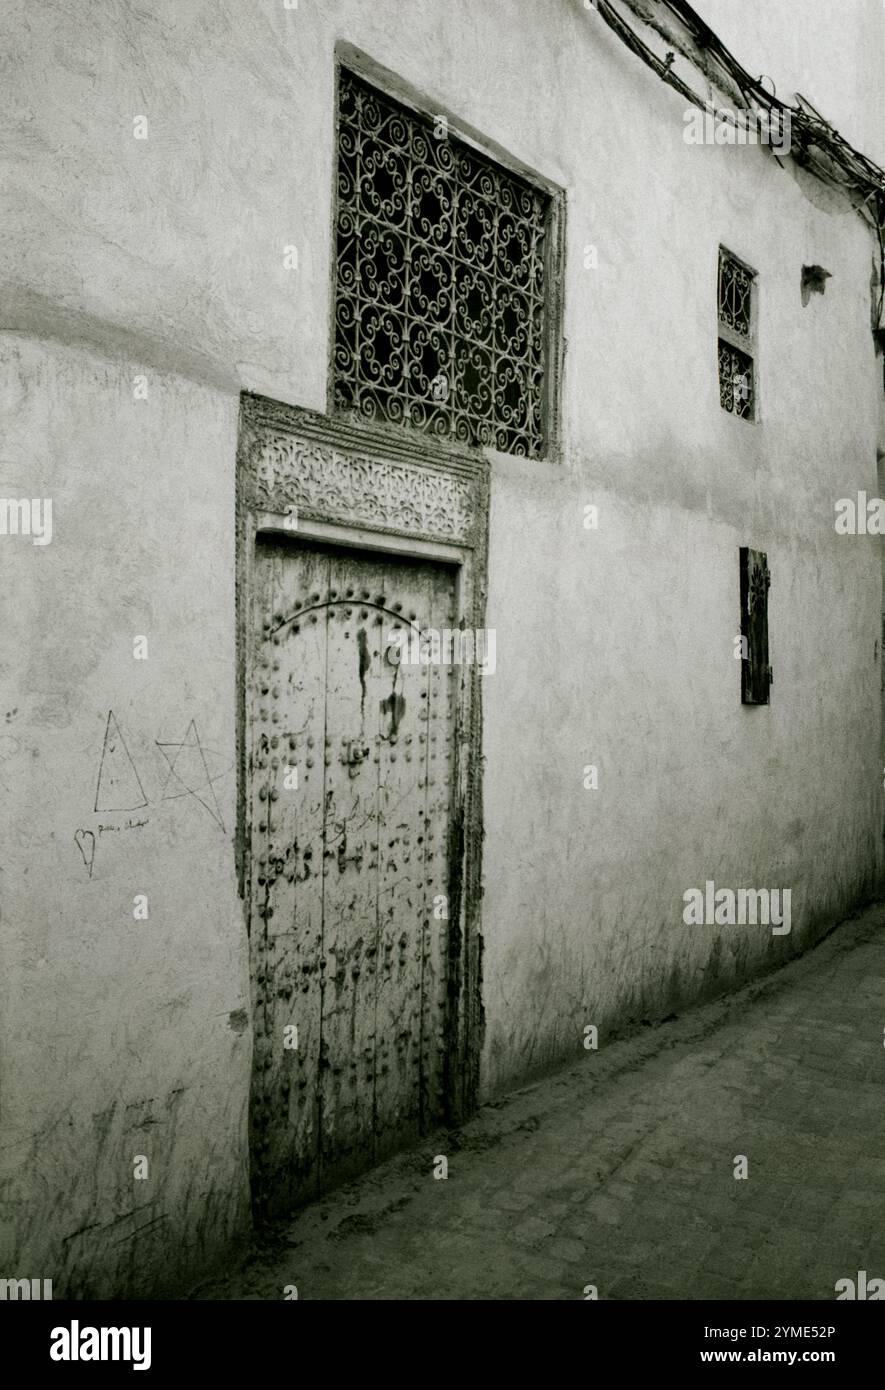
[351,760]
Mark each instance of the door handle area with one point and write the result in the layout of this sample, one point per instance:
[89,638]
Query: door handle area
[355,754]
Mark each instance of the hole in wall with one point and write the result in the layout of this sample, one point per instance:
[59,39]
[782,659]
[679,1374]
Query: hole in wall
[814,281]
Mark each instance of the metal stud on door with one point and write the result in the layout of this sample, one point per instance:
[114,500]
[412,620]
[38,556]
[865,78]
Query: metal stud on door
[351,774]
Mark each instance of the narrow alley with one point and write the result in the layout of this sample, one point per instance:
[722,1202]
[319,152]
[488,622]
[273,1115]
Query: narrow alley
[622,1171]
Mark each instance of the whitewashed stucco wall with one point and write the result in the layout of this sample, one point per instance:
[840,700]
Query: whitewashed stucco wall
[122,1036]
[165,258]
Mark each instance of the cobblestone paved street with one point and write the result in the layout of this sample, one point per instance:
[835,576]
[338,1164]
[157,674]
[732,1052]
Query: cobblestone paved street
[619,1170]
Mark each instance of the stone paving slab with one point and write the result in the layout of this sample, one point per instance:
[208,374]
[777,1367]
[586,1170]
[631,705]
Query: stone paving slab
[619,1170]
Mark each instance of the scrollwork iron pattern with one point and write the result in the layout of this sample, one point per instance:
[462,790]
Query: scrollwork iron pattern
[440,303]
[735,296]
[735,381]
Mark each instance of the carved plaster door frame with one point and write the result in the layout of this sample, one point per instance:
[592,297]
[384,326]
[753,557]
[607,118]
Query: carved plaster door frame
[306,476]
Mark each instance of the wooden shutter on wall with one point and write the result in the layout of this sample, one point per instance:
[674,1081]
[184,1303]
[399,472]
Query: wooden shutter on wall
[755,670]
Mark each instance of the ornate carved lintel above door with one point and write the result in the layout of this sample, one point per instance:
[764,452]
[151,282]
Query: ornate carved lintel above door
[359,477]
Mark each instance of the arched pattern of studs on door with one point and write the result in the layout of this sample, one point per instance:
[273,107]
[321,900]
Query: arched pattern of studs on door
[351,772]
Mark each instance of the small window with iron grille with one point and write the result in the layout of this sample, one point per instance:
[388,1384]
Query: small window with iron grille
[441,296]
[737,336]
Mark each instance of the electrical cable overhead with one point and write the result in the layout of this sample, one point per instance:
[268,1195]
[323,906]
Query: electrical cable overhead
[816,145]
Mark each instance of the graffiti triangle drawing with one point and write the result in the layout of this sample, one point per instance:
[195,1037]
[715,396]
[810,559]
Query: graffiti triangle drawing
[119,785]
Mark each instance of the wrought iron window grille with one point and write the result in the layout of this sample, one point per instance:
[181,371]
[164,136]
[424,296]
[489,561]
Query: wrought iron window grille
[737,336]
[441,286]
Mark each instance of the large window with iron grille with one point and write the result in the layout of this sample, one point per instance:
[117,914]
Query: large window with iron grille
[441,294]
[737,336]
